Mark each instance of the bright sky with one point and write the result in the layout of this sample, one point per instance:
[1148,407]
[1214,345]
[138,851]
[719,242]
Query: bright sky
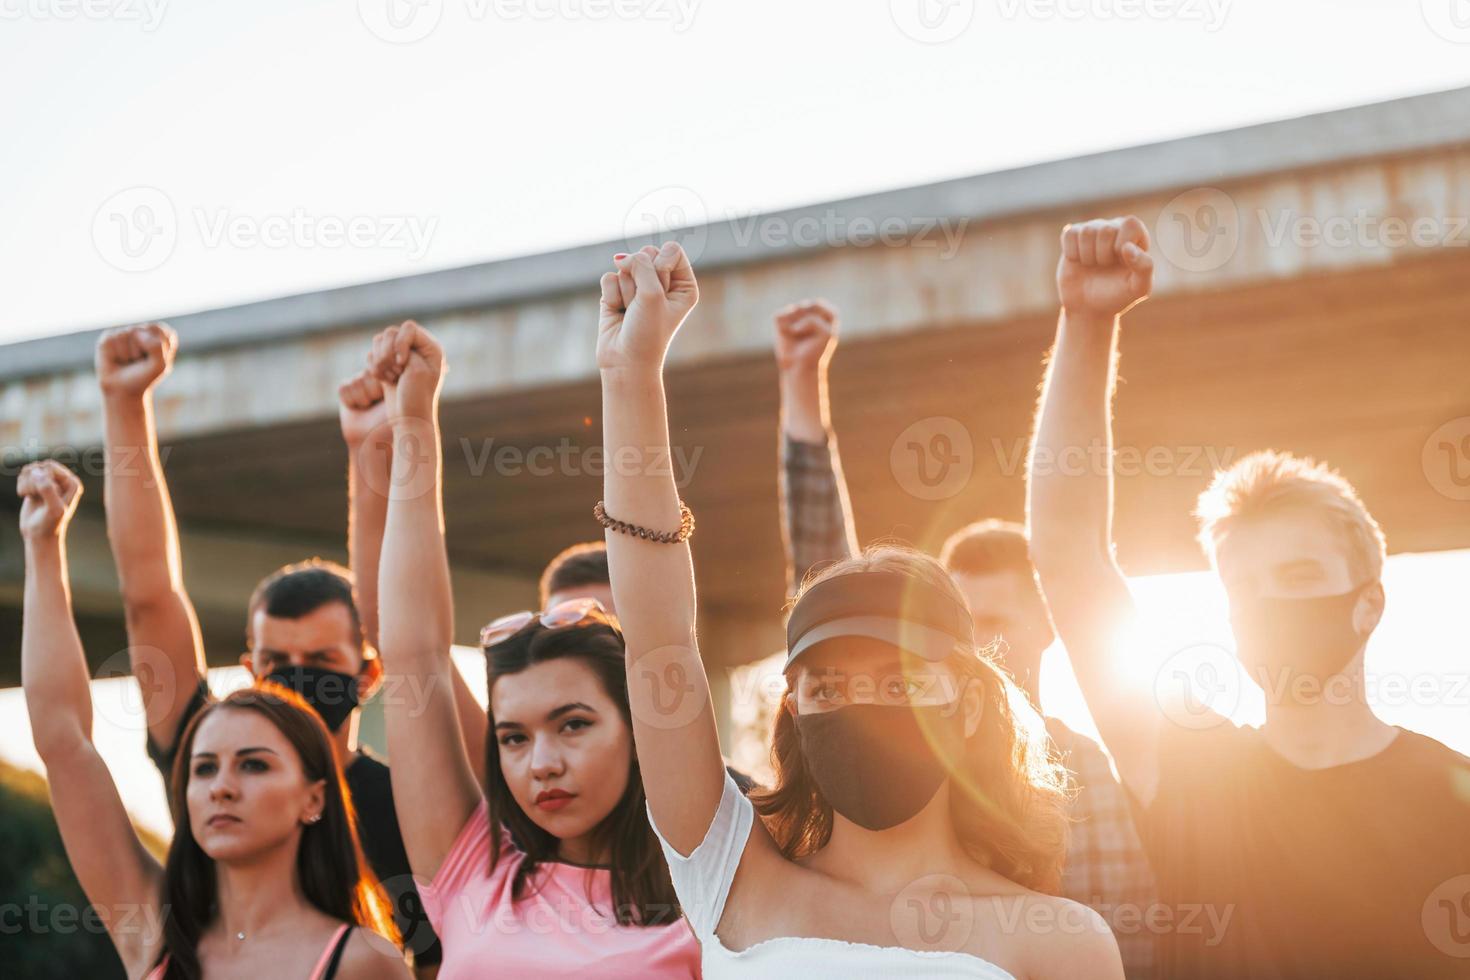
[1418,673]
[247,140]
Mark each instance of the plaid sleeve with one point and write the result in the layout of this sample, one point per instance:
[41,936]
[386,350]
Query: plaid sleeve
[816,520]
[1106,868]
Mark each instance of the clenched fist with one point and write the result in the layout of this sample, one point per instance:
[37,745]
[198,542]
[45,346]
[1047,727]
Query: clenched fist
[643,303]
[409,364]
[49,493]
[1105,268]
[131,360]
[806,335]
[363,410]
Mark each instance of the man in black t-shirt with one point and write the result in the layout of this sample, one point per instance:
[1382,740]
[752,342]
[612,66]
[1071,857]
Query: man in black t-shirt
[307,627]
[1326,843]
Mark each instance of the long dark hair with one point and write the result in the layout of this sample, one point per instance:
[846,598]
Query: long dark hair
[642,893]
[1009,793]
[335,877]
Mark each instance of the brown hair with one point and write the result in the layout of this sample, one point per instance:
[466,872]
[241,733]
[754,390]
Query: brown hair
[293,591]
[986,547]
[1009,792]
[642,891]
[1272,481]
[334,874]
[581,564]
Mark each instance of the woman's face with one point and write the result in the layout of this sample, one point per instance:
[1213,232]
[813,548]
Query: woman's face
[858,670]
[247,792]
[565,751]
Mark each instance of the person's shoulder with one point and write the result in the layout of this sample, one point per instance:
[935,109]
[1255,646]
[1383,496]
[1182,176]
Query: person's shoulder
[1057,936]
[368,956]
[1430,753]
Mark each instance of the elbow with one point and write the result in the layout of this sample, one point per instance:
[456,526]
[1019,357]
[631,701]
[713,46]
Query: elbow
[57,739]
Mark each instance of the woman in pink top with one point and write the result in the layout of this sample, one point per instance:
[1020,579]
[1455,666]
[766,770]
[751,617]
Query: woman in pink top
[555,870]
[264,876]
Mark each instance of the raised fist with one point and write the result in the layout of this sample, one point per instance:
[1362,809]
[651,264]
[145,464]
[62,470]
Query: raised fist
[409,364]
[806,335]
[1105,268]
[643,303]
[363,410]
[49,493]
[131,360]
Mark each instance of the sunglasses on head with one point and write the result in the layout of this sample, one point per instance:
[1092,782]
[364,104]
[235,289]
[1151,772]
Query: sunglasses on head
[573,612]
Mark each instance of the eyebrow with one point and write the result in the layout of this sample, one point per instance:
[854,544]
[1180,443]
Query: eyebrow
[551,715]
[250,751]
[1301,565]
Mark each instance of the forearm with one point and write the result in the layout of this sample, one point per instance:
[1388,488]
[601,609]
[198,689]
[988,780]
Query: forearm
[817,521]
[53,666]
[805,409]
[367,511]
[416,606]
[140,518]
[1071,475]
[652,582]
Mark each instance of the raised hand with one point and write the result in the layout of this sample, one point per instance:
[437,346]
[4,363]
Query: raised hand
[806,335]
[409,364]
[131,360]
[1105,268]
[363,409]
[643,304]
[49,493]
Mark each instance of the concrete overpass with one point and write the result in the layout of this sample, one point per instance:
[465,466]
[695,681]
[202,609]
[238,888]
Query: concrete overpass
[1313,295]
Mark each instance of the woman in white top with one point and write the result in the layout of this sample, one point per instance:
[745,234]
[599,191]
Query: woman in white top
[915,824]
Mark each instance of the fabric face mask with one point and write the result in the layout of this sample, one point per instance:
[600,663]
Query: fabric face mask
[874,763]
[1280,638]
[332,694]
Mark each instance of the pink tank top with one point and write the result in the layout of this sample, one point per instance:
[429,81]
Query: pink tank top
[316,972]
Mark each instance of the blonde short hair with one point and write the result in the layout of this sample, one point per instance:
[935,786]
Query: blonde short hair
[1271,481]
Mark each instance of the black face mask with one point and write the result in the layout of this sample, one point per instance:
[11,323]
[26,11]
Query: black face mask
[874,763]
[1280,639]
[331,693]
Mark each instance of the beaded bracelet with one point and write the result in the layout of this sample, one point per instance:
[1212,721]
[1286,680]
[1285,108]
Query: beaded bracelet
[686,526]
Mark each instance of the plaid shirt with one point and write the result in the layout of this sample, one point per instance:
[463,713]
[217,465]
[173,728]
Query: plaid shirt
[1105,868]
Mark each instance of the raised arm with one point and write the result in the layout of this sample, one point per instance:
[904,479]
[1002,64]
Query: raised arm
[369,438]
[816,516]
[678,746]
[118,874]
[1104,270]
[164,644]
[434,788]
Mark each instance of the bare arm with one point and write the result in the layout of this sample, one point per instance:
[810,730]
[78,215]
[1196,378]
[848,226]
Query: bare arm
[164,644]
[643,303]
[434,788]
[115,870]
[1104,270]
[816,514]
[369,437]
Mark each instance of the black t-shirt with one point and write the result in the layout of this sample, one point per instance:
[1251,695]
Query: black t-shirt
[1272,872]
[377,827]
